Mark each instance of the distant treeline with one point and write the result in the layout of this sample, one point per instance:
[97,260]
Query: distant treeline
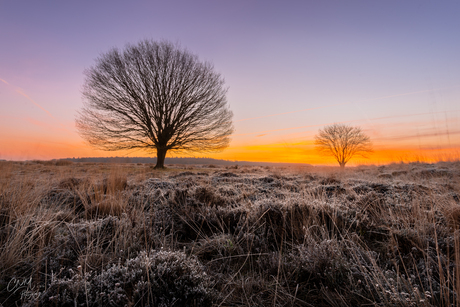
[189,160]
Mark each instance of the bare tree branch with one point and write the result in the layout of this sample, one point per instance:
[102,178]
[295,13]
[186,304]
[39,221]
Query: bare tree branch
[154,96]
[343,142]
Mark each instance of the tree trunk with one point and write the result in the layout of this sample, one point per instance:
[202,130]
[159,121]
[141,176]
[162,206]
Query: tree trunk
[161,155]
[342,164]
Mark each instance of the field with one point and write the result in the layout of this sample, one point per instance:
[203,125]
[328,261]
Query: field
[86,234]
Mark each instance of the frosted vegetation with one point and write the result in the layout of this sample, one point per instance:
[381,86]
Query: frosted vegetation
[83,234]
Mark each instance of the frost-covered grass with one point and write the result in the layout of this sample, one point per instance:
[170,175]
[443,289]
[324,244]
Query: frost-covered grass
[127,235]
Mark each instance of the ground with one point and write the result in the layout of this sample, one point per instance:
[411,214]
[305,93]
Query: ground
[87,234]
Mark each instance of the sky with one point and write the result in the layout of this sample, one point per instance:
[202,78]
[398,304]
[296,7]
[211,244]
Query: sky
[291,68]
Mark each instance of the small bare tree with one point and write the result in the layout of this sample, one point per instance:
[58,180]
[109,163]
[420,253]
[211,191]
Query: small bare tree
[343,142]
[154,96]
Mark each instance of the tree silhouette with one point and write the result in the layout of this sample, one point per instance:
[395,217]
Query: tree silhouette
[154,96]
[343,142]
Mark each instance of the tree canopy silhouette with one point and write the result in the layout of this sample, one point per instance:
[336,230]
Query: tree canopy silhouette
[343,142]
[154,96]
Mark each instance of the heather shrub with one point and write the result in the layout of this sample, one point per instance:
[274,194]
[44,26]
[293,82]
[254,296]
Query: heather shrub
[320,263]
[79,243]
[157,278]
[70,183]
[114,183]
[67,200]
[221,253]
[208,196]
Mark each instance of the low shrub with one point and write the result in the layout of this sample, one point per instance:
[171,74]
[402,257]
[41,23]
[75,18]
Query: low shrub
[158,278]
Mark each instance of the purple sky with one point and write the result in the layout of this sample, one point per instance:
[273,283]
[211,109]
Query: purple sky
[375,61]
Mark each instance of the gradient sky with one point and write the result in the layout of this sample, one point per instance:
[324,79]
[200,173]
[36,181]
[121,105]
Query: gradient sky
[292,67]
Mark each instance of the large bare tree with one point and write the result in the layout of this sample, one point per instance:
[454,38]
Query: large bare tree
[343,142]
[154,96]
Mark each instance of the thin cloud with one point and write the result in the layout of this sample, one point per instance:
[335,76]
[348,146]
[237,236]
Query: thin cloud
[409,93]
[342,122]
[416,136]
[345,103]
[20,92]
[404,115]
[44,125]
[290,112]
[275,130]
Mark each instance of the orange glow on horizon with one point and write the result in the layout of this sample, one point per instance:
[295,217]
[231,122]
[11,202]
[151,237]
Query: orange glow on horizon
[304,152]
[301,151]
